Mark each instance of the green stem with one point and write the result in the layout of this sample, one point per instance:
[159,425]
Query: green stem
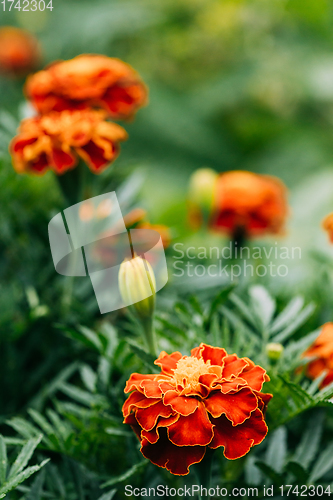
[149,333]
[75,186]
[203,471]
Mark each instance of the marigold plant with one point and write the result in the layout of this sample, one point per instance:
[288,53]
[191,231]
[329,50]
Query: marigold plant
[327,225]
[88,80]
[19,51]
[57,140]
[209,399]
[249,203]
[322,352]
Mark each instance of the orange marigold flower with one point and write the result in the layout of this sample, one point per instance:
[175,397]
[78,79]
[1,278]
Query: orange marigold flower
[57,140]
[322,351]
[327,224]
[19,51]
[207,399]
[250,203]
[88,81]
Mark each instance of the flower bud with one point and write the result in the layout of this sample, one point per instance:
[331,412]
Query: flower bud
[201,190]
[137,286]
[274,351]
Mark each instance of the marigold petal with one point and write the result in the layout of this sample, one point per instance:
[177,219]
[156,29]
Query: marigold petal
[151,388]
[62,161]
[40,165]
[233,366]
[232,385]
[137,400]
[237,440]
[175,459]
[254,375]
[147,417]
[237,407]
[263,400]
[208,353]
[195,429]
[131,420]
[134,382]
[153,435]
[94,156]
[185,405]
[168,362]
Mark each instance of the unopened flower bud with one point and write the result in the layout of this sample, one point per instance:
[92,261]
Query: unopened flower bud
[274,351]
[137,286]
[201,190]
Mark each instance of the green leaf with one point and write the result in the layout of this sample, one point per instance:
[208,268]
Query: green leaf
[89,377]
[3,460]
[37,487]
[220,299]
[108,496]
[323,464]
[309,445]
[263,304]
[277,449]
[270,473]
[146,357]
[26,429]
[22,476]
[298,471]
[24,456]
[84,397]
[244,310]
[92,337]
[41,421]
[124,476]
[294,325]
[287,315]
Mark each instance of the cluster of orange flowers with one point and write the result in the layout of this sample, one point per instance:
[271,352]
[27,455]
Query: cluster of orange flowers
[207,400]
[73,99]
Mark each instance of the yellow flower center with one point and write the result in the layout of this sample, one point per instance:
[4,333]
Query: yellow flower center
[188,371]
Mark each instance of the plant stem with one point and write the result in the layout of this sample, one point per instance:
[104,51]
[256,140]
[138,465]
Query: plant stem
[203,471]
[149,333]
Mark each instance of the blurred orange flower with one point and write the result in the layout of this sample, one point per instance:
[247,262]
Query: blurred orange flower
[322,351]
[88,81]
[19,51]
[251,203]
[327,224]
[57,140]
[162,229]
[207,399]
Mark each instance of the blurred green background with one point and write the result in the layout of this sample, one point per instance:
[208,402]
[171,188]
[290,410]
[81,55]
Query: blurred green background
[233,85]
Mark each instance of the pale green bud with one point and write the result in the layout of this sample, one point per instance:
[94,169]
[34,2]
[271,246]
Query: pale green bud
[274,350]
[137,286]
[201,189]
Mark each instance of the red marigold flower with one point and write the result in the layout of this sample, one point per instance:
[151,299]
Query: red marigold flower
[250,203]
[88,81]
[327,224]
[207,399]
[322,351]
[19,51]
[56,141]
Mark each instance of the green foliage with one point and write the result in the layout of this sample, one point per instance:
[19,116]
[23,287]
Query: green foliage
[19,471]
